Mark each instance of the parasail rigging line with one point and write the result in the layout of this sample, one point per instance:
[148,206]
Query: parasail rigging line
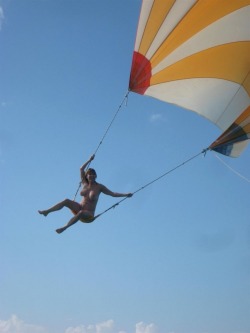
[231,169]
[124,101]
[155,180]
[234,95]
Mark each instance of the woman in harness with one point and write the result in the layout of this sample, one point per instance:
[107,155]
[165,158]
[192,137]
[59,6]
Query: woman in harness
[85,210]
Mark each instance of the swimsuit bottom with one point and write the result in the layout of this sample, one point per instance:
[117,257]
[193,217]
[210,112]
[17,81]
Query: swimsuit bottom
[86,219]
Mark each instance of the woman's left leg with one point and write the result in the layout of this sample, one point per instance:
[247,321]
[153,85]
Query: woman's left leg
[75,206]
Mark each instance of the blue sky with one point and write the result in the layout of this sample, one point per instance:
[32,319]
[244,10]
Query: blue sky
[172,259]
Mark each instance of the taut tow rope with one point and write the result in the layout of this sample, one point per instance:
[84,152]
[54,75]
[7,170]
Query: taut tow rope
[124,101]
[154,180]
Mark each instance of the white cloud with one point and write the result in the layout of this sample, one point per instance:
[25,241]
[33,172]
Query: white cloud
[1,17]
[156,117]
[109,327]
[16,325]
[143,328]
[104,327]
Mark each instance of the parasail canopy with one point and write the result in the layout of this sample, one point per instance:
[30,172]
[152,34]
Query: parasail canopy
[196,54]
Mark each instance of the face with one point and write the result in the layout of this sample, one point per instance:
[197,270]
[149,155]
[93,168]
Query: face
[91,175]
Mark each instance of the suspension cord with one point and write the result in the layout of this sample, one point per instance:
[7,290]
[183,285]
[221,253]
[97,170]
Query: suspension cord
[231,169]
[154,180]
[124,101]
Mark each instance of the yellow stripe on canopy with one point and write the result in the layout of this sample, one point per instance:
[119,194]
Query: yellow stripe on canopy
[228,62]
[158,14]
[203,13]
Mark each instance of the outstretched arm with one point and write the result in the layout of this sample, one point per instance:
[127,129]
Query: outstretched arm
[106,191]
[83,167]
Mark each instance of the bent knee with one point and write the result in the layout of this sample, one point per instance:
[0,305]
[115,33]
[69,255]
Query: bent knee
[67,201]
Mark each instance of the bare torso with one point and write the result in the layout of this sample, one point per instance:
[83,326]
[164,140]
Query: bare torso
[90,194]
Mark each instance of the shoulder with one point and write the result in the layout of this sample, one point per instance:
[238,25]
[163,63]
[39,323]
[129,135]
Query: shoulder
[102,187]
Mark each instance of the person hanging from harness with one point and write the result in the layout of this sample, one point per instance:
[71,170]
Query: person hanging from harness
[85,210]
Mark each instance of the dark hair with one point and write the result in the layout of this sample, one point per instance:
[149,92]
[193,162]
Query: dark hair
[90,170]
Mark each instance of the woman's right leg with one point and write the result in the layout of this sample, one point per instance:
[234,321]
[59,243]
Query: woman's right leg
[80,215]
[75,206]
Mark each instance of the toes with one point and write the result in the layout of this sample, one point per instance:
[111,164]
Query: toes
[43,212]
[60,230]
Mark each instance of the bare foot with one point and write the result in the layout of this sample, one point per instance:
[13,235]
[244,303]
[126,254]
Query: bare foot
[43,212]
[60,230]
